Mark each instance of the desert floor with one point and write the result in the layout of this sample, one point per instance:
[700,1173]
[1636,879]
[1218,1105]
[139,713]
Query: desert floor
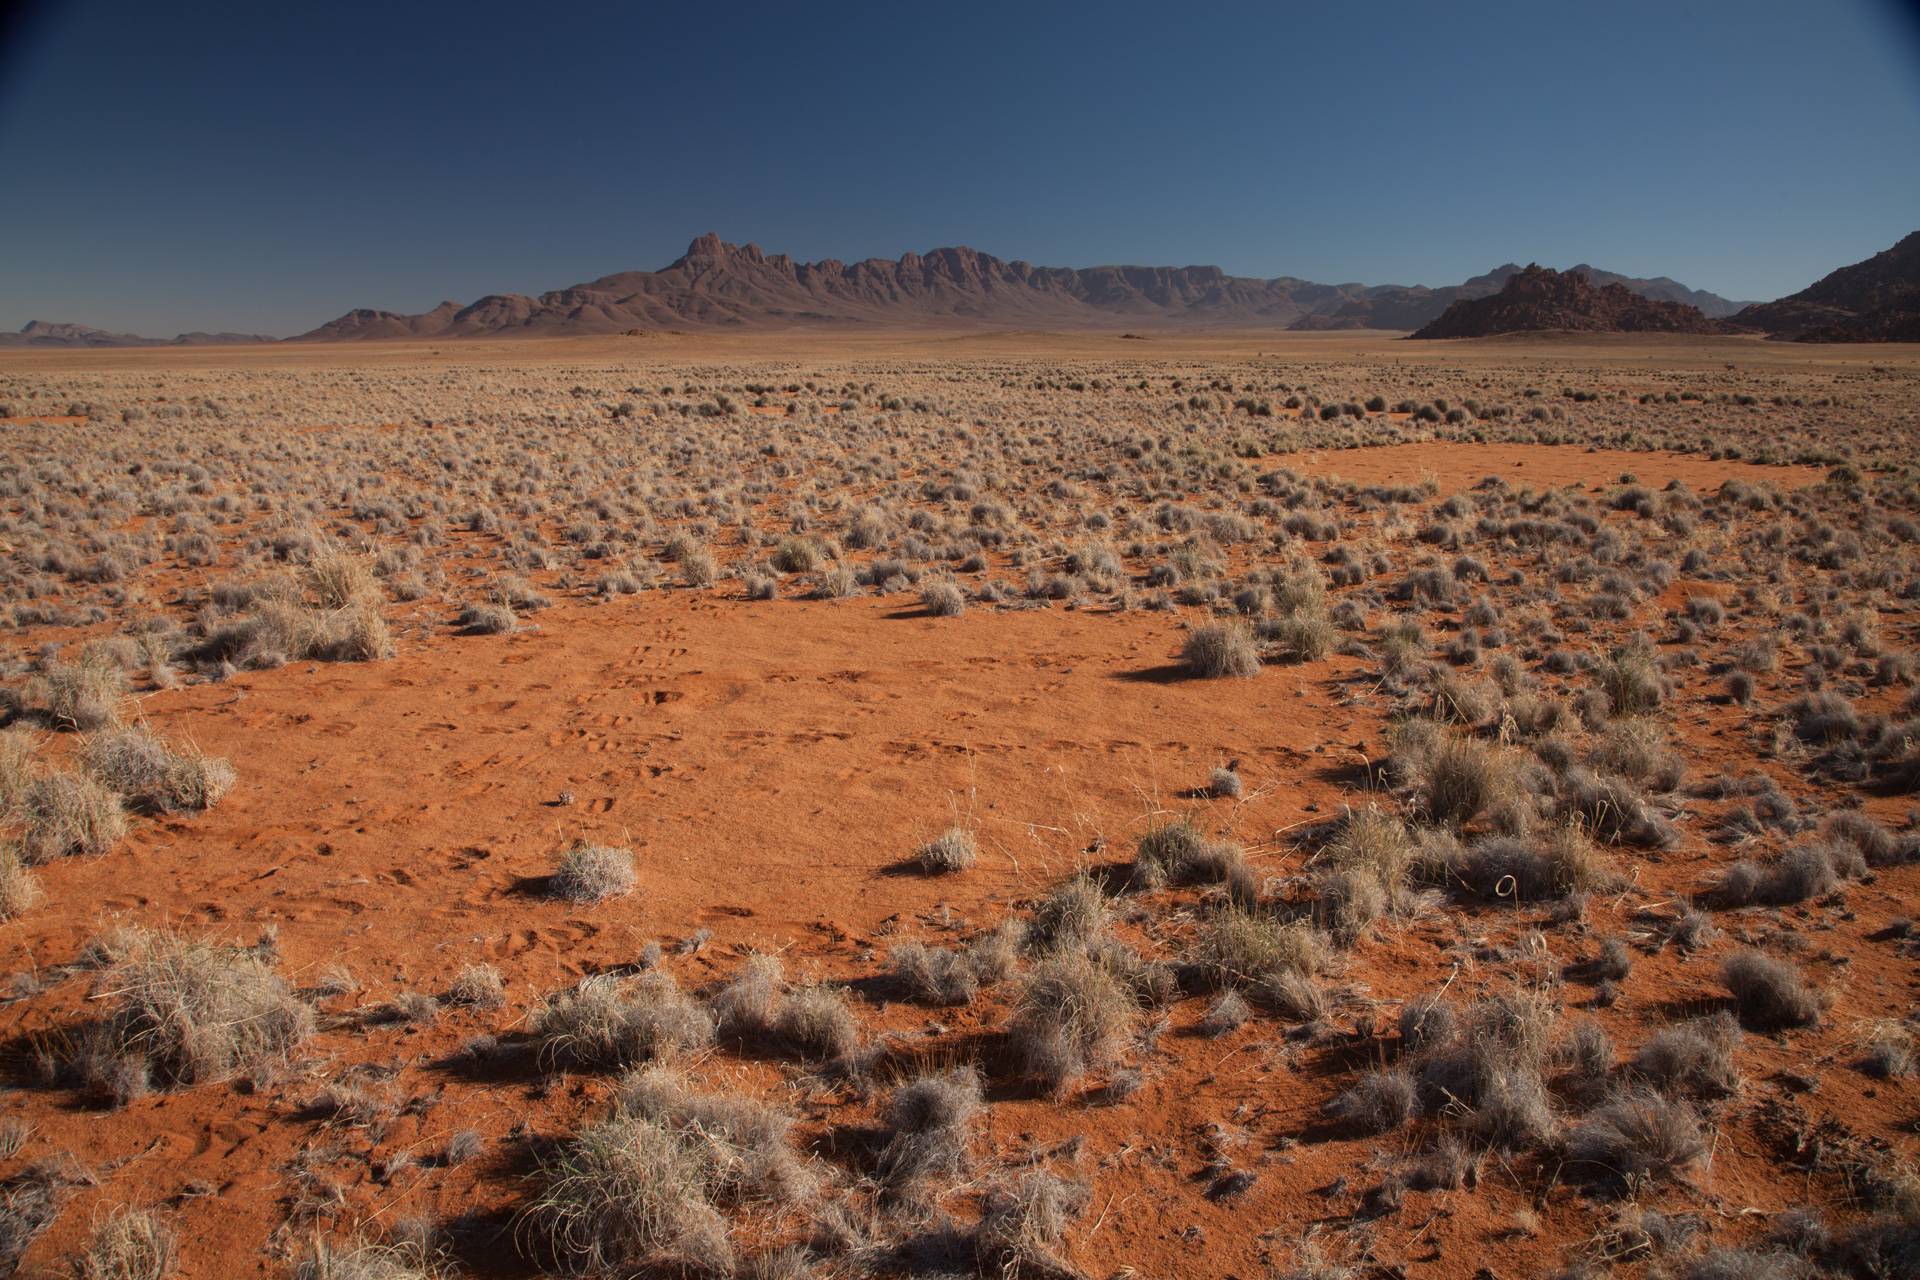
[1584,676]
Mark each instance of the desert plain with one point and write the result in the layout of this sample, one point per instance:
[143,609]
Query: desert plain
[925,803]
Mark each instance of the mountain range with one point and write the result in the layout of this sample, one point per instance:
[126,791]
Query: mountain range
[718,285]
[57,333]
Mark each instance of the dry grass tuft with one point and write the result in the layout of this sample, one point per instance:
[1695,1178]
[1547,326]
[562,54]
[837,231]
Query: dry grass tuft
[644,1188]
[929,1119]
[1220,649]
[1639,1139]
[154,776]
[1073,1015]
[19,887]
[65,815]
[951,851]
[1770,994]
[188,1012]
[593,873]
[129,1244]
[1024,1222]
[609,1023]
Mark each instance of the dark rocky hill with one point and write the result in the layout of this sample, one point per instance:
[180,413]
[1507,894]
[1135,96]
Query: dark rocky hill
[1540,298]
[1873,301]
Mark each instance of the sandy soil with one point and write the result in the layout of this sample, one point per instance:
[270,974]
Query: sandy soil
[773,764]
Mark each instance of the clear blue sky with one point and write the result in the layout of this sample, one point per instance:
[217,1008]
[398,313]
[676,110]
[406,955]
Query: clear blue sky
[265,167]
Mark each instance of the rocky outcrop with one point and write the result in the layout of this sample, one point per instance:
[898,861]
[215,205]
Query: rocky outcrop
[1540,298]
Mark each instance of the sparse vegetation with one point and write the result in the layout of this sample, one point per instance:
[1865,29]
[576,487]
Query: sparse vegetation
[1579,735]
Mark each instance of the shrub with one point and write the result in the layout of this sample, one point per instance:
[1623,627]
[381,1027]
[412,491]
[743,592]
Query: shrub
[356,633]
[943,598]
[1638,1139]
[282,631]
[1373,841]
[363,1260]
[608,1023]
[1631,682]
[492,619]
[1587,1052]
[1529,871]
[1426,1023]
[951,851]
[1488,1070]
[1512,1110]
[129,1244]
[746,1146]
[592,873]
[84,695]
[1614,810]
[188,1012]
[995,954]
[1237,947]
[478,986]
[1874,843]
[1636,749]
[1694,1059]
[837,583]
[697,567]
[934,975]
[1348,902]
[1179,853]
[1220,649]
[1770,994]
[69,815]
[16,769]
[1384,1099]
[748,1006]
[1306,636]
[1071,916]
[818,1022]
[1460,778]
[137,764]
[1023,1223]
[19,888]
[1802,872]
[1072,1016]
[1890,1051]
[929,1120]
[625,1195]
[336,579]
[797,555]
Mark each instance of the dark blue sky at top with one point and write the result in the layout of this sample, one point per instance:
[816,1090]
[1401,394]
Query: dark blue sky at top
[265,167]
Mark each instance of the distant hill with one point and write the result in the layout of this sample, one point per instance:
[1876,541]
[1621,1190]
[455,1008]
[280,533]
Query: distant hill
[1540,298]
[54,333]
[1873,301]
[716,284]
